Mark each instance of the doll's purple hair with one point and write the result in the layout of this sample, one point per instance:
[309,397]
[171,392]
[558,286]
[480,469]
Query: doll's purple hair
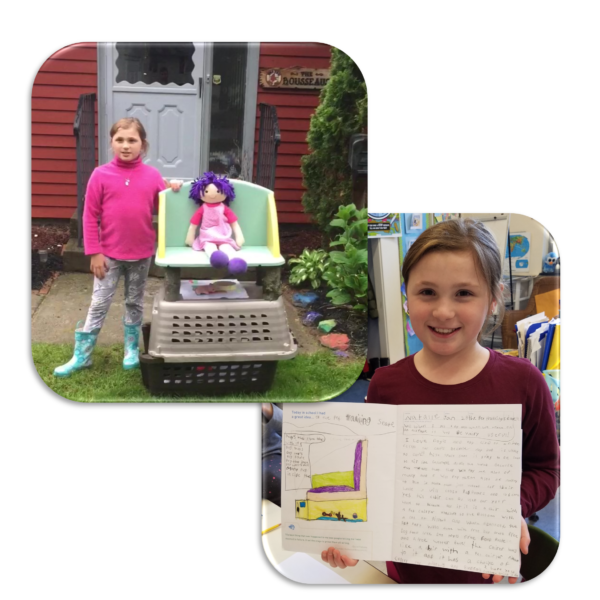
[221,183]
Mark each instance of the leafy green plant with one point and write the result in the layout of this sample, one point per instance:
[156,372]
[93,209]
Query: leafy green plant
[342,112]
[309,266]
[347,273]
[354,225]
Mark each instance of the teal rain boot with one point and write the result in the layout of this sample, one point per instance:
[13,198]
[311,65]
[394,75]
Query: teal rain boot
[132,348]
[82,356]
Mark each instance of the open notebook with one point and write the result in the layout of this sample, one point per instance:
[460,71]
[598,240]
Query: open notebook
[429,485]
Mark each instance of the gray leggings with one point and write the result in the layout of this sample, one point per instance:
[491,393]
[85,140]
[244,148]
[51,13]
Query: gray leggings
[136,274]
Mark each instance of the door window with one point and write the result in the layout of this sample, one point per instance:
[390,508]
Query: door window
[161,63]
[227,109]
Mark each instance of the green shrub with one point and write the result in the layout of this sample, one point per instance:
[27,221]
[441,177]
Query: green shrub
[342,112]
[347,273]
[309,266]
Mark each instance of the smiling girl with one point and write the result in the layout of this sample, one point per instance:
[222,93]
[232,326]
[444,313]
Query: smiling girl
[120,199]
[453,281]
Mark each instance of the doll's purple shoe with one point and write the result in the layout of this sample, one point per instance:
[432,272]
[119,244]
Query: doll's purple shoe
[237,266]
[218,259]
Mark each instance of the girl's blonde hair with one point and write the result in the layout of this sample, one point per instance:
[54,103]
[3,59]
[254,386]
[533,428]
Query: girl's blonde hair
[127,123]
[461,235]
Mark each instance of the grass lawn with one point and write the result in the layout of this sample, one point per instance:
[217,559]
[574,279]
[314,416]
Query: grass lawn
[305,378]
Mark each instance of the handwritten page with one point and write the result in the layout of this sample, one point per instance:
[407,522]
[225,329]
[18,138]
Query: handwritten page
[337,484]
[458,476]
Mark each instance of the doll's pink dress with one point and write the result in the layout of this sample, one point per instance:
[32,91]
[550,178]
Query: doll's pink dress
[214,222]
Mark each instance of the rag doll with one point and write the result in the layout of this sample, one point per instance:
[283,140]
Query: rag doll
[219,233]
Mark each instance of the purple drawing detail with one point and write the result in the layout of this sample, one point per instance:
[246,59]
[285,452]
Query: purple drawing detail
[332,488]
[357,463]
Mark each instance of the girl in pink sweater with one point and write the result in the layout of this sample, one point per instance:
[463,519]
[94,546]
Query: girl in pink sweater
[120,200]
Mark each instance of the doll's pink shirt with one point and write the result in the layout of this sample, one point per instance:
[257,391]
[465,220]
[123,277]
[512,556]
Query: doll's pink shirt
[214,221]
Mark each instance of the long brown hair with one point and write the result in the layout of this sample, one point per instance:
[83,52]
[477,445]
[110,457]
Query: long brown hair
[128,122]
[459,235]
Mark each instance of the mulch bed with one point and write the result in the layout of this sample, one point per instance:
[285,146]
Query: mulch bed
[348,321]
[292,242]
[42,273]
[51,238]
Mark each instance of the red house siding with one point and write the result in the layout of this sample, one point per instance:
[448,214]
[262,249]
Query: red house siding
[61,79]
[294,109]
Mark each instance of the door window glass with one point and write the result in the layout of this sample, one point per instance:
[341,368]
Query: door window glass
[227,109]
[161,63]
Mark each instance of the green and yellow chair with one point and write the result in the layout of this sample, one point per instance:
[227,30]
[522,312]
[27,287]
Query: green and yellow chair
[255,209]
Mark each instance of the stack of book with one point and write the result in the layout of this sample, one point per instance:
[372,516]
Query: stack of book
[538,340]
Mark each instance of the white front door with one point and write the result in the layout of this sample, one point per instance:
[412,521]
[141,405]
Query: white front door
[161,84]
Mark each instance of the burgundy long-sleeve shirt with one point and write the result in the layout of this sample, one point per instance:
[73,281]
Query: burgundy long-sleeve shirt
[504,380]
[122,196]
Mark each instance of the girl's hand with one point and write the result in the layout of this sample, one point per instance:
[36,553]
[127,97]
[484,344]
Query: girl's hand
[335,559]
[176,184]
[523,545]
[267,410]
[98,265]
[239,240]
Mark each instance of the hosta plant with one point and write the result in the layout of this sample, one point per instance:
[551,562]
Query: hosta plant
[309,267]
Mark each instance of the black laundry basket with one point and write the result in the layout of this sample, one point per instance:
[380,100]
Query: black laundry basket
[204,378]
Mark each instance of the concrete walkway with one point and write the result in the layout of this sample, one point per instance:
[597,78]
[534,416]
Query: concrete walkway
[54,315]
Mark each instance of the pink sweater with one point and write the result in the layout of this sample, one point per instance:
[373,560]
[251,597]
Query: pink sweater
[120,200]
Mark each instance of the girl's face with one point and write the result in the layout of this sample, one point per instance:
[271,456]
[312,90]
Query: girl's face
[212,195]
[126,144]
[448,302]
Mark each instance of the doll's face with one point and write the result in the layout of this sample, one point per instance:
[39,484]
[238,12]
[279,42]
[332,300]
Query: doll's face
[212,195]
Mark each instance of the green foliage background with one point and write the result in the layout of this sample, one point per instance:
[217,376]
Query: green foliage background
[342,112]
